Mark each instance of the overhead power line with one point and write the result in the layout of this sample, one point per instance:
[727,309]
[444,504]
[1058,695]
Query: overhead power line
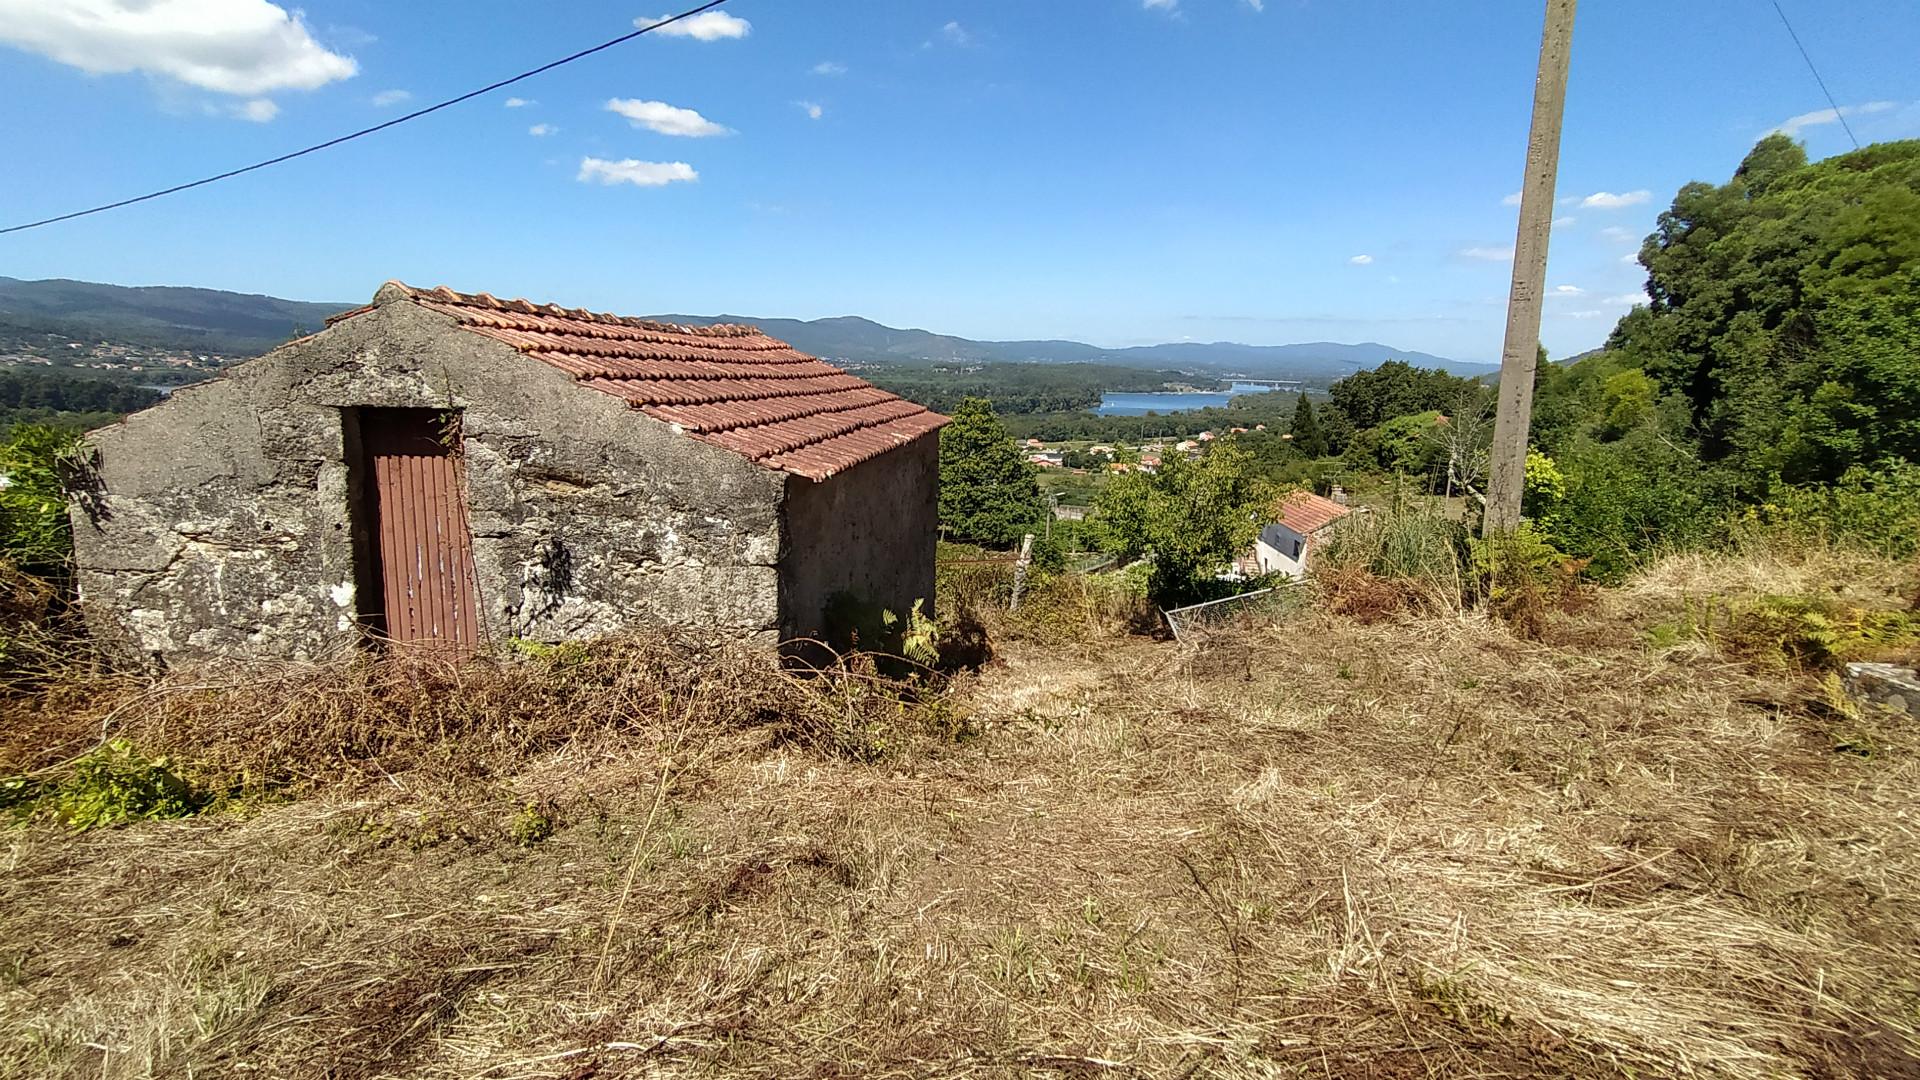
[395,122]
[1837,113]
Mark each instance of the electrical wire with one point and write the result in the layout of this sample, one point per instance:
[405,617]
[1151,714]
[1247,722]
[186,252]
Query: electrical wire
[1838,114]
[395,122]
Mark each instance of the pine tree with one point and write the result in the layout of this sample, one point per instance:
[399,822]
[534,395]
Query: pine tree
[988,491]
[1307,436]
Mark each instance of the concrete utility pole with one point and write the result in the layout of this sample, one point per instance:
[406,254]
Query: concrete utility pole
[1522,351]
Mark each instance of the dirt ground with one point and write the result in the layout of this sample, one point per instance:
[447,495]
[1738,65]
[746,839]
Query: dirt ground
[1318,849]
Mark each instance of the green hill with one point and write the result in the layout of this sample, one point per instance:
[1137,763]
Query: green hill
[162,316]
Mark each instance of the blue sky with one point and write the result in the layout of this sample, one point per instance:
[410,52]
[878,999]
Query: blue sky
[1105,170]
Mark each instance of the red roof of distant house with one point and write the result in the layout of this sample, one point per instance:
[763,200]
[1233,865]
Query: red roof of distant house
[731,386]
[1307,513]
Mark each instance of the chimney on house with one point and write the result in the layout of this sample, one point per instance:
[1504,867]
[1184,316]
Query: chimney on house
[1339,495]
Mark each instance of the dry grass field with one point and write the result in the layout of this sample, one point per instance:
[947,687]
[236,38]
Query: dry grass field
[1419,846]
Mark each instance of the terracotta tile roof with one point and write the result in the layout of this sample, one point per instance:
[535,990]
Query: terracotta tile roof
[731,386]
[1307,513]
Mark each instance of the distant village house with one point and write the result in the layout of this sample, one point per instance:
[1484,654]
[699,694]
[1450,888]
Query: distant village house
[1301,521]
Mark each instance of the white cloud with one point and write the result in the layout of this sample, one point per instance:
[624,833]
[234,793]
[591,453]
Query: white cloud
[1619,235]
[1584,314]
[1488,254]
[829,67]
[1607,200]
[1793,125]
[391,97]
[542,130]
[259,110]
[1631,258]
[1511,200]
[813,109]
[706,26]
[517,103]
[1361,260]
[956,34]
[1563,221]
[1257,5]
[664,118]
[239,47]
[1568,290]
[638,173]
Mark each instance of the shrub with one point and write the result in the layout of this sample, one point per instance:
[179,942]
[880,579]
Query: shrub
[116,784]
[1627,501]
[1544,485]
[357,719]
[34,532]
[1054,608]
[532,824]
[857,625]
[1877,510]
[1520,575]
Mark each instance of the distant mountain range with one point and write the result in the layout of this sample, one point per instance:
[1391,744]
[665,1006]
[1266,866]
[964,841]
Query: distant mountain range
[850,337]
[159,316]
[241,323]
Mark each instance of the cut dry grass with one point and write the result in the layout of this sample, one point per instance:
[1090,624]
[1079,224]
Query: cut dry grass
[1417,848]
[1779,570]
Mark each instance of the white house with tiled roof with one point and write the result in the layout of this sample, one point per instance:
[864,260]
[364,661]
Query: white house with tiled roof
[1301,520]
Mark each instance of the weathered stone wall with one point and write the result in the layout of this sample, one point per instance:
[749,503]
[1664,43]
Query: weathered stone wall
[225,523]
[1898,688]
[870,531]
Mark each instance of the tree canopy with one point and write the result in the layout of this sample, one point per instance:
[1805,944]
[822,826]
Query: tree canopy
[988,490]
[1192,518]
[1396,388]
[1785,313]
[1307,436]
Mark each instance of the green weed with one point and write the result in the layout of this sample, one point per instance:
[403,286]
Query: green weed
[532,824]
[113,785]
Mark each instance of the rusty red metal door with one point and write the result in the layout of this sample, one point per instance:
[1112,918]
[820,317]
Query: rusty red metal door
[421,543]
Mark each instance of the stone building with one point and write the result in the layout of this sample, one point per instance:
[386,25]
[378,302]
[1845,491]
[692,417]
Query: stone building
[456,469]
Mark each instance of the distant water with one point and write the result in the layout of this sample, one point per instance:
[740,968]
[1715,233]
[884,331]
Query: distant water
[1142,404]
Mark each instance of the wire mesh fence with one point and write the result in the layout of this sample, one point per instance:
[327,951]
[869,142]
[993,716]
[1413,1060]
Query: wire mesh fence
[1243,609]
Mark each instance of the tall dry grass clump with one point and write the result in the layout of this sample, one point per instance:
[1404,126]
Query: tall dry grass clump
[1065,610]
[245,729]
[1407,558]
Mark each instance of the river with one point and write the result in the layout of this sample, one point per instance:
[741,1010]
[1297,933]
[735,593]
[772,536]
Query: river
[1142,404]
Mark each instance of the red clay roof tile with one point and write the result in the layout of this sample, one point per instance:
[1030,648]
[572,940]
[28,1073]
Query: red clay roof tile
[731,386]
[1306,513]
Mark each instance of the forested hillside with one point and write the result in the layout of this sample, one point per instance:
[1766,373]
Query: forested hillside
[162,316]
[78,403]
[1776,372]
